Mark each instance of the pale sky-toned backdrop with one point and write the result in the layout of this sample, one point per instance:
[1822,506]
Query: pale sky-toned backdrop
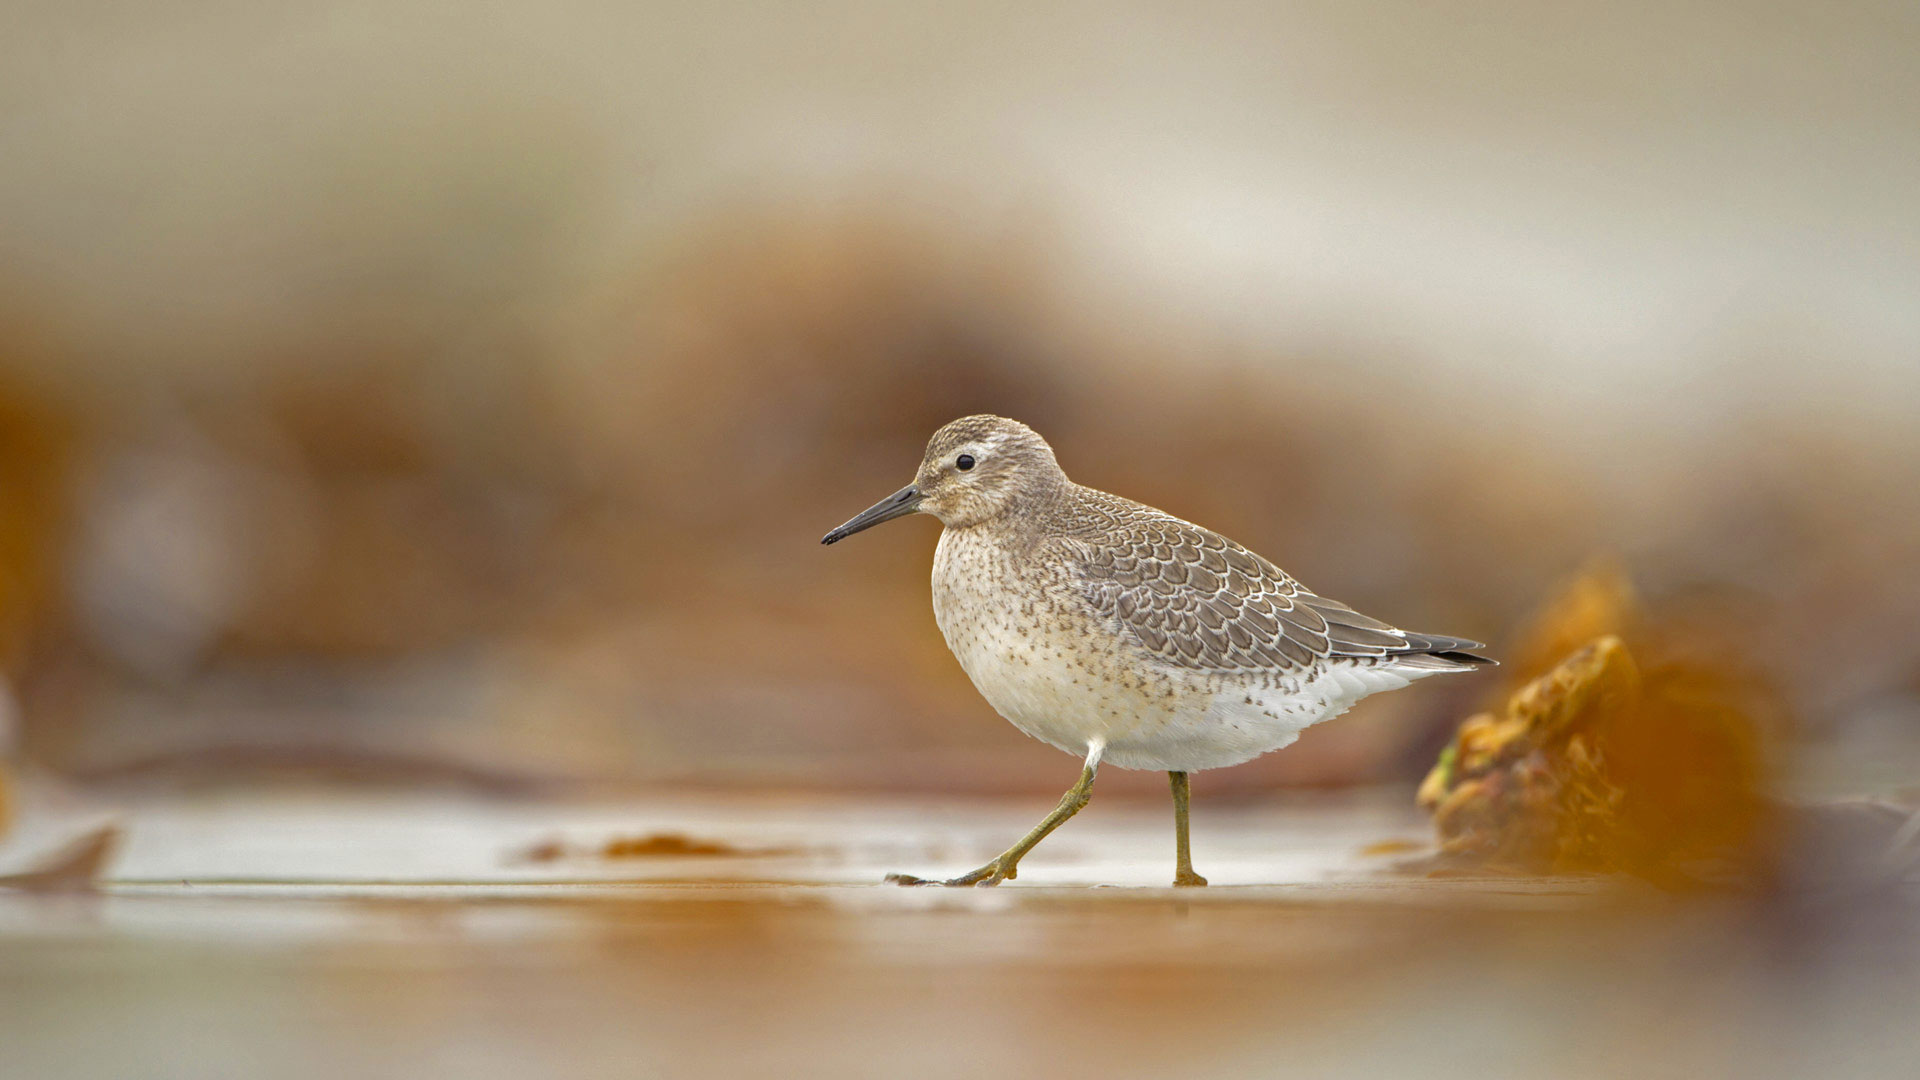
[1636,210]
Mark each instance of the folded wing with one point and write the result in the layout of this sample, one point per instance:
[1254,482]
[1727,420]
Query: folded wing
[1195,599]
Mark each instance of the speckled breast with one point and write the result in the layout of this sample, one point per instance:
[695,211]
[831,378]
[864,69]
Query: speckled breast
[1029,644]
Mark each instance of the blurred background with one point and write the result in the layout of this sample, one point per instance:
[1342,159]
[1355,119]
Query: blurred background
[456,393]
[418,420]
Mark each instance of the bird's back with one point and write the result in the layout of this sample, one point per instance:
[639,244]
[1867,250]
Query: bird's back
[1195,599]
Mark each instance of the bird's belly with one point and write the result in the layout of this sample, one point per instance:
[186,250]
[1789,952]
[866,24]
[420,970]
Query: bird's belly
[1225,724]
[1033,681]
[1058,689]
[1245,716]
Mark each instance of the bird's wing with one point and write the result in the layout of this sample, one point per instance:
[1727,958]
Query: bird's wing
[1195,599]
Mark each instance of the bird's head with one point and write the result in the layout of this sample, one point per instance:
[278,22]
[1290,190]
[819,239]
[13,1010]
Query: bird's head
[976,469]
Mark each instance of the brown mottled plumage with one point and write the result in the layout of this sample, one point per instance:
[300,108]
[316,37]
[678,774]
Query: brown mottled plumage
[1124,634]
[1197,599]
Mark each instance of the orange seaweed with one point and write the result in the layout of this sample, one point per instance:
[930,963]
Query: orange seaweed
[1645,759]
[663,843]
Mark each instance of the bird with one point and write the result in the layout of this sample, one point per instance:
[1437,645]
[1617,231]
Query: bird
[1127,636]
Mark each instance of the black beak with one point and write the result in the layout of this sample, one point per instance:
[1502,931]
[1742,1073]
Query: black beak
[899,504]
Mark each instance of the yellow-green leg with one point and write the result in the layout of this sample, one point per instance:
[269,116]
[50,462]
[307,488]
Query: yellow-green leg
[1183,855]
[1007,864]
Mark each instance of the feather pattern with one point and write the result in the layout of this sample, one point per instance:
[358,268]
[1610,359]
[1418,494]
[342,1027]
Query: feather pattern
[1195,599]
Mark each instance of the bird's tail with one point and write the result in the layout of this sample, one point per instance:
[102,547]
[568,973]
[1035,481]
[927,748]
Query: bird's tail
[1436,652]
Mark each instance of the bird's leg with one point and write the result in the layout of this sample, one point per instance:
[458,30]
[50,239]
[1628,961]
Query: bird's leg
[1183,856]
[1007,864]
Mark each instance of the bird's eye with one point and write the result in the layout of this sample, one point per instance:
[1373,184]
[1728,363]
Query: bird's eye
[963,462]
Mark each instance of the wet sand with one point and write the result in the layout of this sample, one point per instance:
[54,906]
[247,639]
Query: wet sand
[329,936]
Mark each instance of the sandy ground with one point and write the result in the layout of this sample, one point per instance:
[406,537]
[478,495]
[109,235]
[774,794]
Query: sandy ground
[327,935]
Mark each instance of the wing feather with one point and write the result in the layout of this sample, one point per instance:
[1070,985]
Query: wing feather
[1195,599]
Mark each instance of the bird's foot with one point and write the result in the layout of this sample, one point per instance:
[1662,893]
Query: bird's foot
[1187,877]
[995,872]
